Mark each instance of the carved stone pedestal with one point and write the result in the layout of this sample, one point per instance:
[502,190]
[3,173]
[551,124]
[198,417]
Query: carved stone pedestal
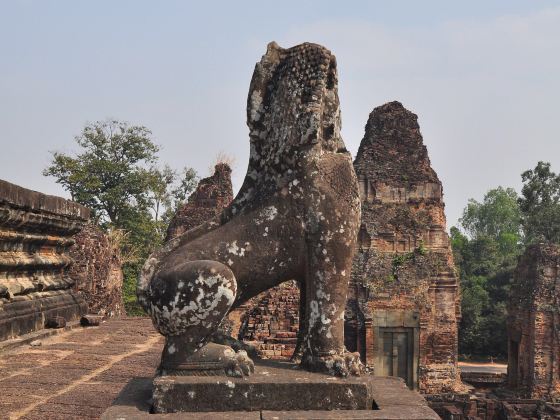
[273,386]
[276,390]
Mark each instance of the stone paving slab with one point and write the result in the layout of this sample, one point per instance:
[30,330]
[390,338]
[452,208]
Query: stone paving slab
[76,373]
[389,413]
[36,335]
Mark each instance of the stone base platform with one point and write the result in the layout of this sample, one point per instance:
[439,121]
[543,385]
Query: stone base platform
[275,391]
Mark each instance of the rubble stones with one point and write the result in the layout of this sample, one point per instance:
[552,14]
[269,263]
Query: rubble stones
[55,322]
[91,320]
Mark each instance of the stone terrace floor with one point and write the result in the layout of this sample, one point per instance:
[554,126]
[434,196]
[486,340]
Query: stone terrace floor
[77,374]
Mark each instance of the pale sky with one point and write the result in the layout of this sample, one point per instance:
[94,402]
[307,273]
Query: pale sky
[483,77]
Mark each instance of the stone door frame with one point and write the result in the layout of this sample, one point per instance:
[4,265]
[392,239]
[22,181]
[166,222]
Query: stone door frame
[393,319]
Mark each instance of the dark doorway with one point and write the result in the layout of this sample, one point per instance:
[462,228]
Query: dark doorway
[397,350]
[513,363]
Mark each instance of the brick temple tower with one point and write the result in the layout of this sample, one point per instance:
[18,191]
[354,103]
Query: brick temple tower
[404,303]
[534,324]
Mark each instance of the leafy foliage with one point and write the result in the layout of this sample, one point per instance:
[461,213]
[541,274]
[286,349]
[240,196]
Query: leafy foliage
[486,256]
[486,252]
[110,175]
[540,204]
[116,175]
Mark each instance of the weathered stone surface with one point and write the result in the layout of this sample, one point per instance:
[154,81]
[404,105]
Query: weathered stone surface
[295,218]
[55,322]
[534,324]
[35,234]
[278,386]
[403,277]
[489,406]
[389,413]
[77,374]
[97,271]
[211,196]
[277,390]
[132,403]
[270,320]
[91,320]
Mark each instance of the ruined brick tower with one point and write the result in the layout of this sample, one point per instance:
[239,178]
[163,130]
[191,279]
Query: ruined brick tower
[211,196]
[403,307]
[534,324]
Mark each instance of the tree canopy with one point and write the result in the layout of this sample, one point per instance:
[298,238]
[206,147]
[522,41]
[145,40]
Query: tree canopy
[111,173]
[486,255]
[540,204]
[486,245]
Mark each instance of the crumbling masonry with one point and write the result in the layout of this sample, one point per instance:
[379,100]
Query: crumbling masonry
[534,324]
[211,196]
[35,235]
[97,271]
[269,320]
[403,306]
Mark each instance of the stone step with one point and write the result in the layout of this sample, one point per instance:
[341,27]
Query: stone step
[275,340]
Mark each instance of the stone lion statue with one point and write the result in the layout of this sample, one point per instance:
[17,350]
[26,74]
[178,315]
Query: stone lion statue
[296,216]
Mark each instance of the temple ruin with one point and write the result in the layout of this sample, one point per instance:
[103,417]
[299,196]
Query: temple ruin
[97,270]
[35,237]
[270,321]
[534,324]
[211,196]
[404,305]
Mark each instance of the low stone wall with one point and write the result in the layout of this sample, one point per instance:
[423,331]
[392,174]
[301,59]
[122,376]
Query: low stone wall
[484,379]
[35,235]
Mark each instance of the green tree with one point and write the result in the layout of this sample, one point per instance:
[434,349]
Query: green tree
[111,174]
[116,175]
[540,204]
[475,302]
[497,217]
[168,190]
[486,255]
